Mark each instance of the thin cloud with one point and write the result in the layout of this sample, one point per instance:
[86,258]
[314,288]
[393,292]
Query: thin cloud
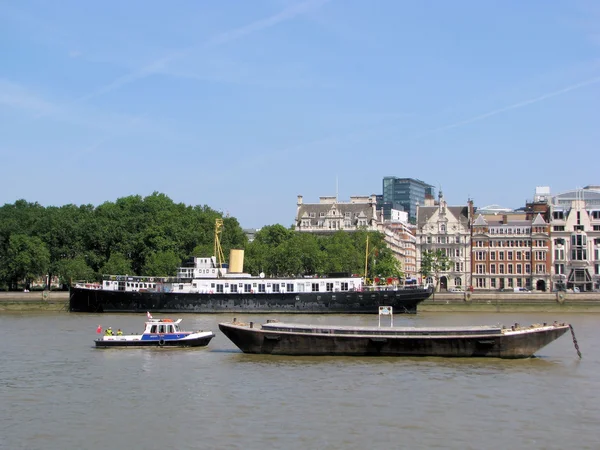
[515,106]
[16,96]
[220,39]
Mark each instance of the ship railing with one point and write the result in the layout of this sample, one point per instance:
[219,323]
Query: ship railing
[392,287]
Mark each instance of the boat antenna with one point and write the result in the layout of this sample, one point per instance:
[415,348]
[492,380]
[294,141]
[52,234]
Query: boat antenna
[218,251]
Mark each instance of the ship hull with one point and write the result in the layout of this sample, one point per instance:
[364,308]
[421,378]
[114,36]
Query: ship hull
[364,302]
[255,340]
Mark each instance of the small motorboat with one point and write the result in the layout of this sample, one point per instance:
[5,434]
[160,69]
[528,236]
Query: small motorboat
[158,333]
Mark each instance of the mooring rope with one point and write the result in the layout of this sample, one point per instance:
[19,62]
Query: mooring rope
[575,341]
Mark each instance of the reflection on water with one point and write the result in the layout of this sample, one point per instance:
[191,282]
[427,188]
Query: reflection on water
[60,393]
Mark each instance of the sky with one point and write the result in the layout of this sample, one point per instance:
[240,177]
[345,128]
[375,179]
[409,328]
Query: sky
[244,105]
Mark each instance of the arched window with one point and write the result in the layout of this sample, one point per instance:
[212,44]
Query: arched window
[443,227]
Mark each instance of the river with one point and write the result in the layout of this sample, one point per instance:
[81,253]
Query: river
[58,392]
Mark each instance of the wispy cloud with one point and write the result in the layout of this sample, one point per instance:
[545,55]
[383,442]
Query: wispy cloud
[15,96]
[160,65]
[518,105]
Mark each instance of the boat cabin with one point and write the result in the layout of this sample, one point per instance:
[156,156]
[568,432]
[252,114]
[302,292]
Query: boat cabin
[162,326]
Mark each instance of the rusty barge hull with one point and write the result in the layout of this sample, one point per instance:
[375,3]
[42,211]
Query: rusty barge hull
[309,340]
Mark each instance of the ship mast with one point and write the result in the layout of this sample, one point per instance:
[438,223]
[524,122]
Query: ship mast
[366,257]
[218,251]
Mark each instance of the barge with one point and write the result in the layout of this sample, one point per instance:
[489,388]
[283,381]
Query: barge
[279,338]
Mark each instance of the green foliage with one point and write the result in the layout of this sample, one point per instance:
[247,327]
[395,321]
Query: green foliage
[117,264]
[162,264]
[152,235]
[74,269]
[433,262]
[26,258]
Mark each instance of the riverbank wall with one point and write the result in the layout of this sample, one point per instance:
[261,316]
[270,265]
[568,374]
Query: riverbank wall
[509,302]
[56,301]
[36,301]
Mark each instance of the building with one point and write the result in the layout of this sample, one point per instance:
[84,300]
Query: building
[330,215]
[446,228]
[405,194]
[576,239]
[511,251]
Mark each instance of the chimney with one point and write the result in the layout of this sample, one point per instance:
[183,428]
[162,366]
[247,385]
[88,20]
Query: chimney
[504,219]
[299,200]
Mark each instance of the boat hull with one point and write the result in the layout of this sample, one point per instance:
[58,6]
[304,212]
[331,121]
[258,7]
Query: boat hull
[519,345]
[160,343]
[364,302]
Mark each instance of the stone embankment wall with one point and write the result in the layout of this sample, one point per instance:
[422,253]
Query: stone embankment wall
[34,301]
[518,302]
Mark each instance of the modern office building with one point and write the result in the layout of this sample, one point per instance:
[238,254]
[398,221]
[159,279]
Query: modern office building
[405,192]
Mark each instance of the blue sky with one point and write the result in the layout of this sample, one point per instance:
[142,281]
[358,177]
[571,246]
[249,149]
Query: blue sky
[243,105]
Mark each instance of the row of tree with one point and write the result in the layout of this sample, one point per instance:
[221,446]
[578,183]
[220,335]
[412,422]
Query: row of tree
[152,236]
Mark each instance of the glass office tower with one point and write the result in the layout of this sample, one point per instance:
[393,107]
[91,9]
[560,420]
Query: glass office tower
[406,192]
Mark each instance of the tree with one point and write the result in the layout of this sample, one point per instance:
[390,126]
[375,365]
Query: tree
[161,264]
[117,264]
[432,263]
[74,269]
[26,259]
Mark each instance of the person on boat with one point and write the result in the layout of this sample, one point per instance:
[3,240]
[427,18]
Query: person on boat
[119,332]
[108,332]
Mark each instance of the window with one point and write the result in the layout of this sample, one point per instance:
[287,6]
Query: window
[289,287]
[501,268]
[457,281]
[493,283]
[510,255]
[540,268]
[501,256]
[493,268]
[233,288]
[315,287]
[220,288]
[276,287]
[247,287]
[527,268]
[493,256]
[510,268]
[559,253]
[559,269]
[519,268]
[510,282]
[329,287]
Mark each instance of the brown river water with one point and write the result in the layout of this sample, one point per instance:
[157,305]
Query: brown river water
[58,392]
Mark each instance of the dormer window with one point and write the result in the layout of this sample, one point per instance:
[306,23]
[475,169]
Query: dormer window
[443,227]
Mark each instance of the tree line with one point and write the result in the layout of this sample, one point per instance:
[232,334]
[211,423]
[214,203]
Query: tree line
[153,236]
